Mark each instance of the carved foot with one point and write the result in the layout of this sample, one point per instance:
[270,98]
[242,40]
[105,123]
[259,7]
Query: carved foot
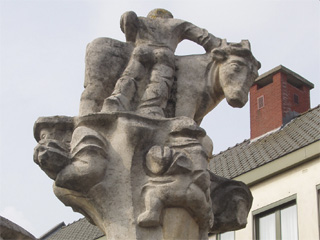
[149,219]
[152,111]
[115,103]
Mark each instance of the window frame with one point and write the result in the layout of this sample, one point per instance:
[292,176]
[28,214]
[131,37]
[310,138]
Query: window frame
[219,235]
[318,196]
[261,98]
[275,207]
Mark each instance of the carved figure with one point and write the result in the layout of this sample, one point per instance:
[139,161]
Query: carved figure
[227,72]
[156,38]
[201,80]
[87,167]
[231,202]
[78,161]
[136,149]
[178,178]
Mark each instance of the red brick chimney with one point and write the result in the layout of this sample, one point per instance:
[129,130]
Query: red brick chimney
[275,97]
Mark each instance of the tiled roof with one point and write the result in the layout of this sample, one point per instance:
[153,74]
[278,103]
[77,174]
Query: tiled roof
[79,230]
[246,156]
[10,230]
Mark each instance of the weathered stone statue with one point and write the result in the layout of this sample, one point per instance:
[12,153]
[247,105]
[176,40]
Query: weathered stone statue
[134,161]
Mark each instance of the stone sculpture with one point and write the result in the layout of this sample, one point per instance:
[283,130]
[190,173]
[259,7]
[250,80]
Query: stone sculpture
[135,159]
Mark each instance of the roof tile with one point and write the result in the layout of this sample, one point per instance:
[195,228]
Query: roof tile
[79,230]
[246,156]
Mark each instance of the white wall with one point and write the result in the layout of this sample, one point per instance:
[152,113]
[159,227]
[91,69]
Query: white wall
[302,181]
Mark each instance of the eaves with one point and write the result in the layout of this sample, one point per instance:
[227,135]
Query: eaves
[281,164]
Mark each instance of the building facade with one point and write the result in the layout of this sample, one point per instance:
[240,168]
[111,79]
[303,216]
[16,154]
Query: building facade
[281,161]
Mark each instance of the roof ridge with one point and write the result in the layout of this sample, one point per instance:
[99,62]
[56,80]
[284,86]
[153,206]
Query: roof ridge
[269,133]
[309,110]
[301,131]
[237,144]
[74,222]
[277,130]
[297,117]
[80,229]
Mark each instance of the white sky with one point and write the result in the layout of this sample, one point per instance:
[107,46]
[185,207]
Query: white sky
[42,49]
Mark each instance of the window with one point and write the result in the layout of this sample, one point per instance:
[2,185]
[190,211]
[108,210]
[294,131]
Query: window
[318,189]
[295,98]
[260,102]
[277,223]
[226,236]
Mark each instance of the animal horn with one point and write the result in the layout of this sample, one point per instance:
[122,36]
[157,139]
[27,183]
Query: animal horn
[224,43]
[245,44]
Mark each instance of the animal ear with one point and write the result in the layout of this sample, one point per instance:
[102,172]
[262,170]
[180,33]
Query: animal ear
[219,54]
[259,65]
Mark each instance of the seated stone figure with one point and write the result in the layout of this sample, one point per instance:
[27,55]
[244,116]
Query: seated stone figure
[176,183]
[156,38]
[75,158]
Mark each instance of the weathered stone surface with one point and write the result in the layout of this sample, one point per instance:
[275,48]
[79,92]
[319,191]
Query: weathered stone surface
[116,171]
[200,82]
[231,202]
[134,161]
[178,224]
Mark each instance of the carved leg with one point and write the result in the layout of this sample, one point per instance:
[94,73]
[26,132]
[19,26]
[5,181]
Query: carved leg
[155,98]
[122,95]
[200,206]
[89,152]
[154,207]
[92,98]
[126,87]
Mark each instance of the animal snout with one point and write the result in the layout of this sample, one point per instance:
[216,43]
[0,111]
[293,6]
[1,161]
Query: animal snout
[237,100]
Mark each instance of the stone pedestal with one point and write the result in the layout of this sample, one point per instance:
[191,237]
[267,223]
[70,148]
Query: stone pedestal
[178,224]
[131,175]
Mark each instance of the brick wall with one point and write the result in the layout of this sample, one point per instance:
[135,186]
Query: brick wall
[303,97]
[279,100]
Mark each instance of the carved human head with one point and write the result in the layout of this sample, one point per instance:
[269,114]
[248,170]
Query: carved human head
[159,13]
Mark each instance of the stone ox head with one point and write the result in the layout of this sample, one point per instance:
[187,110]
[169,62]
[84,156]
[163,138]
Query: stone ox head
[205,80]
[236,69]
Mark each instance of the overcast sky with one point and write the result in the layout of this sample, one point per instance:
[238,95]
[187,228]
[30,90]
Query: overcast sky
[42,49]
